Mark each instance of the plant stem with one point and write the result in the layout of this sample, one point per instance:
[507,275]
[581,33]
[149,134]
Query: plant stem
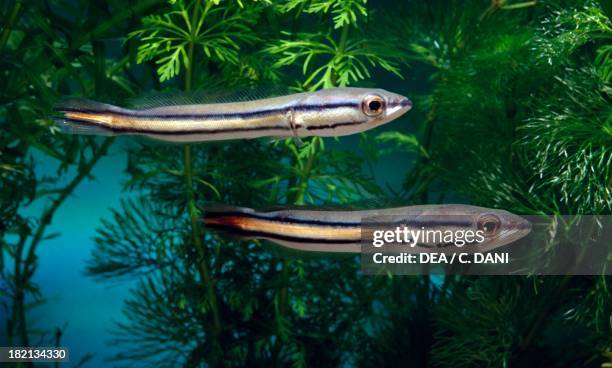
[303,184]
[197,241]
[344,38]
[24,269]
[48,214]
[188,69]
[299,199]
[191,46]
[196,229]
[340,51]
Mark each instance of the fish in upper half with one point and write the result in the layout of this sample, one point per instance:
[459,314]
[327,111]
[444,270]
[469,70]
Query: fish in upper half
[328,112]
[342,231]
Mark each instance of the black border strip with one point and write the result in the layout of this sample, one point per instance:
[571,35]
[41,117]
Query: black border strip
[278,219]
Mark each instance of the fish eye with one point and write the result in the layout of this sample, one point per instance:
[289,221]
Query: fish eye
[373,105]
[489,224]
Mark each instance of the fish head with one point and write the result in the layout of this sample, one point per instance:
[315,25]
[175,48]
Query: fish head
[493,227]
[498,227]
[343,111]
[380,106]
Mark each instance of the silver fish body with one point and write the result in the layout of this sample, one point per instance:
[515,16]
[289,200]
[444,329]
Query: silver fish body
[342,231]
[329,112]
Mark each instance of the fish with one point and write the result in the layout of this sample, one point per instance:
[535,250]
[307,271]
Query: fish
[325,113]
[340,231]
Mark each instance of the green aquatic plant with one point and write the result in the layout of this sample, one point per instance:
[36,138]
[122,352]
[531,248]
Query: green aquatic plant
[500,138]
[35,61]
[574,125]
[344,13]
[216,30]
[328,61]
[345,61]
[489,93]
[186,257]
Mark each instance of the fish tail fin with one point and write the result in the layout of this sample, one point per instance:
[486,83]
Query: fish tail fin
[227,219]
[82,116]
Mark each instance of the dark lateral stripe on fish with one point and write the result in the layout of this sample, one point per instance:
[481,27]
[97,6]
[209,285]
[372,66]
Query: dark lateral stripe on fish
[118,129]
[281,220]
[233,115]
[286,231]
[269,235]
[429,224]
[332,126]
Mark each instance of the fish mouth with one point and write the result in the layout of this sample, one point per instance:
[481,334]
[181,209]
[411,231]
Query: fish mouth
[398,107]
[520,224]
[524,226]
[405,103]
[519,228]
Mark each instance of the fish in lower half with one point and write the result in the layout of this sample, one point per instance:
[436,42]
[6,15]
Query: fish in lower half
[328,112]
[341,231]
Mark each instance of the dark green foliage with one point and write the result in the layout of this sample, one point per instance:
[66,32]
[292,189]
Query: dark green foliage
[514,103]
[513,112]
[43,55]
[501,322]
[572,121]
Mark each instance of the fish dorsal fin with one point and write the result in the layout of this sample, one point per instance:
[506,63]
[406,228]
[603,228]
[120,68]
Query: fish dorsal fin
[68,103]
[155,99]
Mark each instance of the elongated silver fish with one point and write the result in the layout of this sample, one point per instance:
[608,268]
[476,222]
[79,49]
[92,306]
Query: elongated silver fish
[341,231]
[329,112]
